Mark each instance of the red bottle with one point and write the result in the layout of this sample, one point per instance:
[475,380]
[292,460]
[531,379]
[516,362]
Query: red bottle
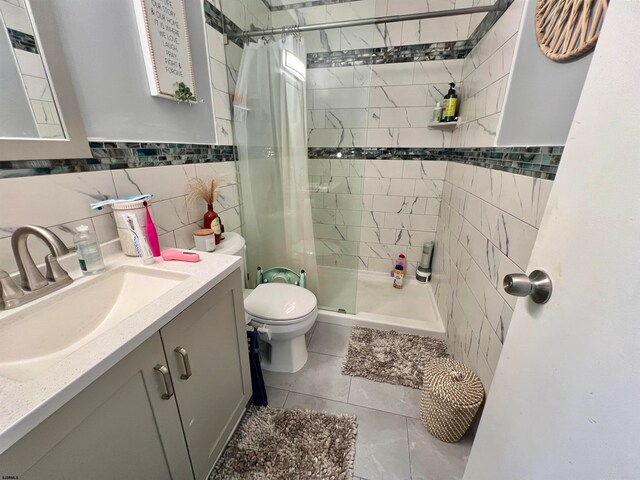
[212,220]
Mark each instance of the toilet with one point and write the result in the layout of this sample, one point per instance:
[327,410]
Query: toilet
[282,313]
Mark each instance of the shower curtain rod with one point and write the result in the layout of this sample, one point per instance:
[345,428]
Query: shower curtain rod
[361,22]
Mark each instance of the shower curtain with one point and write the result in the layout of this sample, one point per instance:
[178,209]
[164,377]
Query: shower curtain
[271,137]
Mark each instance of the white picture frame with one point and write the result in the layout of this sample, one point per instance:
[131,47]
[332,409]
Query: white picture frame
[162,25]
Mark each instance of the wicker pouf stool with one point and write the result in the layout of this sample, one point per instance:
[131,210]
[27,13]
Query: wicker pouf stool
[451,397]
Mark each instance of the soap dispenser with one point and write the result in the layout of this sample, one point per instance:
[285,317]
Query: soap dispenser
[88,250]
[450,104]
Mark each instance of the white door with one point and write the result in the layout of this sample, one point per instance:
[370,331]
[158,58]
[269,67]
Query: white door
[565,399]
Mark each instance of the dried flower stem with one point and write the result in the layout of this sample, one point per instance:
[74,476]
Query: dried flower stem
[205,189]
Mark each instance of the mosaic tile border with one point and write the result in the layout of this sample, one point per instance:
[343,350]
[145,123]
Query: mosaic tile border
[377,153]
[22,41]
[398,54]
[119,155]
[539,162]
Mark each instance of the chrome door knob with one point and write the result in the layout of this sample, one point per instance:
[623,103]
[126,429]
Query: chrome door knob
[537,284]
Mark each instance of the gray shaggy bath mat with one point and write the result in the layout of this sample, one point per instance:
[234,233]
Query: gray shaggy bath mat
[278,444]
[390,357]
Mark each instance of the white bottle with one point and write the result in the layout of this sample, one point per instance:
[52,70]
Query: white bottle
[89,254]
[437,113]
[398,277]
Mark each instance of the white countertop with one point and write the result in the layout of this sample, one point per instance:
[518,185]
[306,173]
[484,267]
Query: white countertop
[24,405]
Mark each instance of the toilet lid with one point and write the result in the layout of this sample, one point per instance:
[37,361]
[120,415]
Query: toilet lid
[280,301]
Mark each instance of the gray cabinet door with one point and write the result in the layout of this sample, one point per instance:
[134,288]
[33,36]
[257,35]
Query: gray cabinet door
[119,427]
[212,399]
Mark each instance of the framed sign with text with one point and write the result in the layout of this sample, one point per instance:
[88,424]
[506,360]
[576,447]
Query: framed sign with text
[165,45]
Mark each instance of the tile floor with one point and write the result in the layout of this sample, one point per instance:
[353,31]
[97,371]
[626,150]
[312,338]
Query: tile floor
[392,443]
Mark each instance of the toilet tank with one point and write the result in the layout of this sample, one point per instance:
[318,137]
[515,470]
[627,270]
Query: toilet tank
[234,244]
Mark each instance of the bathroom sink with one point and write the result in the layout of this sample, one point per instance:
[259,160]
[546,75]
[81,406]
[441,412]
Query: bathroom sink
[40,335]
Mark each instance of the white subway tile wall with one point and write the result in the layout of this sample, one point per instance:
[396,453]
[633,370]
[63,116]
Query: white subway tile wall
[390,105]
[387,105]
[246,14]
[485,74]
[224,60]
[220,87]
[487,227]
[367,212]
[374,36]
[61,202]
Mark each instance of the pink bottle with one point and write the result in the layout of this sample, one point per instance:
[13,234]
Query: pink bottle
[402,261]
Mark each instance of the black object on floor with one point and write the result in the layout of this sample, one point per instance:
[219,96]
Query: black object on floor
[257,381]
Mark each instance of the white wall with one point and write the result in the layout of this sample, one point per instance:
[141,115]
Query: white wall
[542,94]
[104,57]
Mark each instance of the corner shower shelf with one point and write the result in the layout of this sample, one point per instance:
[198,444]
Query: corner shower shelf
[443,125]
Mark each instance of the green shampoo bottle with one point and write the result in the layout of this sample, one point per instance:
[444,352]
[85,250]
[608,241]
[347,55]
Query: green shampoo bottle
[450,104]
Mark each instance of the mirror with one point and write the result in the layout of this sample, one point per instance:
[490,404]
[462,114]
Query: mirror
[27,104]
[39,113]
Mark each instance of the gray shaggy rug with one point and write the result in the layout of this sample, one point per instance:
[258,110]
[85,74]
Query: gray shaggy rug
[278,444]
[387,356]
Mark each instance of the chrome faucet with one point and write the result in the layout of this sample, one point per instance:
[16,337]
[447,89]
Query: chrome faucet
[34,284]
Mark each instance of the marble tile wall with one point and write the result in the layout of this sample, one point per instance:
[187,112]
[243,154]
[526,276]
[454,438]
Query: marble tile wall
[246,14]
[220,86]
[61,202]
[344,102]
[224,60]
[487,227]
[388,105]
[367,212]
[383,105]
[485,74]
[372,36]
[356,104]
[229,16]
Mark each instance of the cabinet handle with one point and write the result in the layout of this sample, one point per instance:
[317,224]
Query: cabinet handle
[167,381]
[185,359]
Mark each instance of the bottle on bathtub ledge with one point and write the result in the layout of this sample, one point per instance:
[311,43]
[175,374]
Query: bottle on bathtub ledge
[401,260]
[398,278]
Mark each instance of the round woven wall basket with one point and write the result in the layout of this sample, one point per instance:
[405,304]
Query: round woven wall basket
[568,29]
[451,397]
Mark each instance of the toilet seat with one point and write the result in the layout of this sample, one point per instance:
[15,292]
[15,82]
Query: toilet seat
[280,304]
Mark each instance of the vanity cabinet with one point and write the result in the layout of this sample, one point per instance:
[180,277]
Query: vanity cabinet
[158,413]
[118,427]
[206,350]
